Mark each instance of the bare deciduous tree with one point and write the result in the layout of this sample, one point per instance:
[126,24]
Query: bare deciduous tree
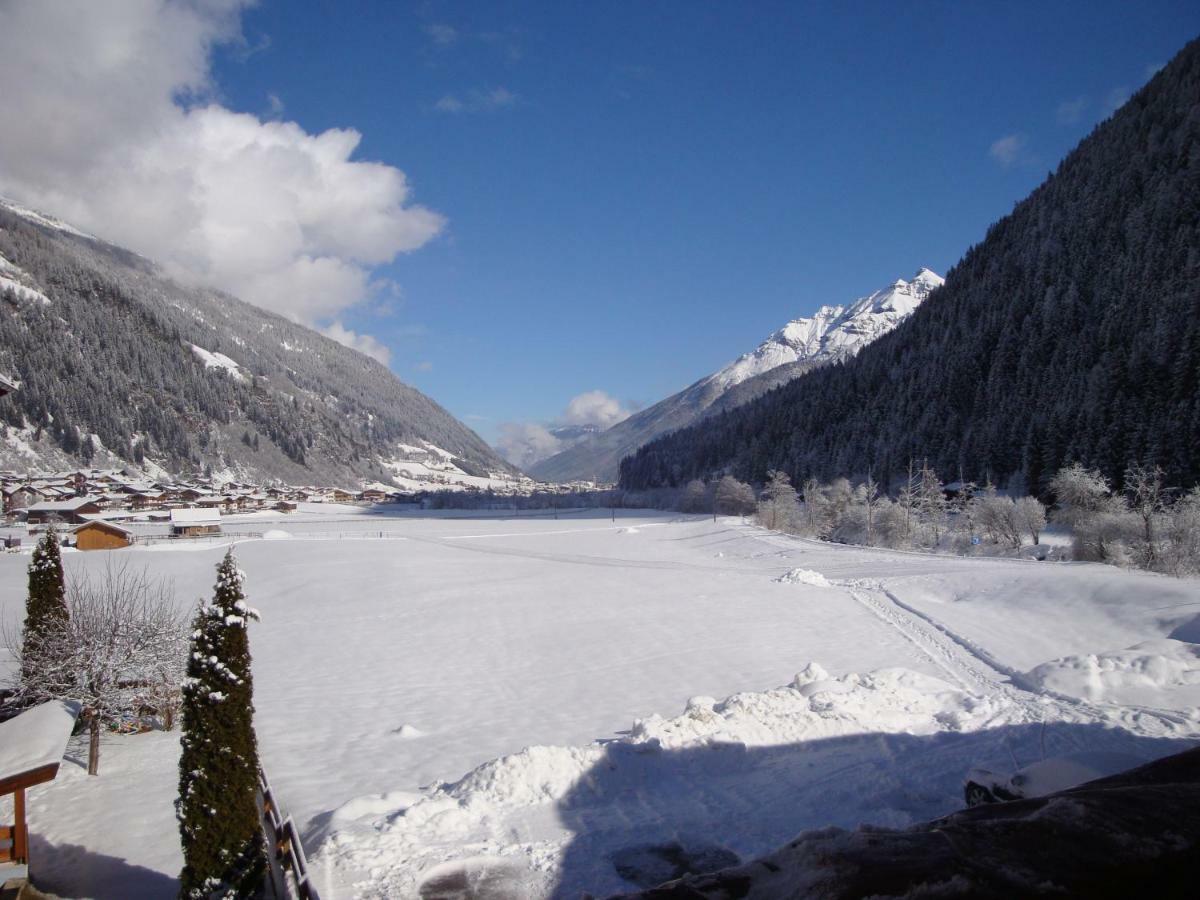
[122,650]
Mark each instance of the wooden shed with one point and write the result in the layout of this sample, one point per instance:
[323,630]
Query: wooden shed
[99,534]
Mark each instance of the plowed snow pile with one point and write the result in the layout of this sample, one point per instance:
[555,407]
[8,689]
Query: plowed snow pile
[743,775]
[804,576]
[1147,673]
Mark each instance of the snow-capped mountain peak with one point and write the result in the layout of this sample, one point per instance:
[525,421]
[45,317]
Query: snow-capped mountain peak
[832,332]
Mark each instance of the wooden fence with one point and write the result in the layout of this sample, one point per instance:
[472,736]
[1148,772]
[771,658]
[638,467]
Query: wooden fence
[288,867]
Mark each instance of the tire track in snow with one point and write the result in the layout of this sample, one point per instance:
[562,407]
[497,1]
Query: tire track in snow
[943,654]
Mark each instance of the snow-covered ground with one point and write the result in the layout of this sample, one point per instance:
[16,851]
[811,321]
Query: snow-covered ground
[529,701]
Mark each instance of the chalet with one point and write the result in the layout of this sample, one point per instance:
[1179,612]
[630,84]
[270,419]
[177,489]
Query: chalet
[20,496]
[70,511]
[190,495]
[375,495]
[195,522]
[337,495]
[284,506]
[209,501]
[146,500]
[101,535]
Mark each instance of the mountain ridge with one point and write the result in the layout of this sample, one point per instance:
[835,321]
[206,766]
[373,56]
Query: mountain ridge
[121,364]
[831,334]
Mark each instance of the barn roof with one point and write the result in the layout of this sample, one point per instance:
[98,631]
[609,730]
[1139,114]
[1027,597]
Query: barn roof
[102,523]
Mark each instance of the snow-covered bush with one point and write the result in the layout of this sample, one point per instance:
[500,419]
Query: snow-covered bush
[695,498]
[733,497]
[1080,494]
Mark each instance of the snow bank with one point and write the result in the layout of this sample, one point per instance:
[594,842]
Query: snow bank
[1141,674]
[804,576]
[695,765]
[277,534]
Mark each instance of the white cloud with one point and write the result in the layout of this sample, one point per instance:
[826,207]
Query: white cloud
[442,34]
[117,132]
[477,101]
[1071,111]
[595,408]
[274,106]
[363,343]
[1008,150]
[525,443]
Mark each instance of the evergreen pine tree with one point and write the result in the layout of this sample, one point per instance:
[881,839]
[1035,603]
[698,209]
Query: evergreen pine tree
[218,772]
[46,605]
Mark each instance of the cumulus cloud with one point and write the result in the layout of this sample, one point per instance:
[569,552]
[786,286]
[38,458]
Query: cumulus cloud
[477,101]
[595,408]
[118,132]
[526,443]
[1008,150]
[363,343]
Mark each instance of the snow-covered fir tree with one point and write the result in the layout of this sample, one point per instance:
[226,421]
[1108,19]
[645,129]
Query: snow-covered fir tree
[46,605]
[218,818]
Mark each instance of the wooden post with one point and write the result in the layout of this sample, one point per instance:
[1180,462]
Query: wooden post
[20,834]
[94,745]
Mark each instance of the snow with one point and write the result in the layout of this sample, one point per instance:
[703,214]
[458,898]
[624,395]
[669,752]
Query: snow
[1147,673]
[41,219]
[219,361]
[36,737]
[832,332]
[804,576]
[9,281]
[464,695]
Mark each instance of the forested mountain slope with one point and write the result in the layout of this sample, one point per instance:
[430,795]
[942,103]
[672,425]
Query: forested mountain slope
[1070,333]
[120,364]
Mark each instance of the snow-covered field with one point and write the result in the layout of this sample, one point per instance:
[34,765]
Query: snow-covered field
[405,663]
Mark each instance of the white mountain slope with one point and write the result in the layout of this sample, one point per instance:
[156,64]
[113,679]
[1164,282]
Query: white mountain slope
[832,333]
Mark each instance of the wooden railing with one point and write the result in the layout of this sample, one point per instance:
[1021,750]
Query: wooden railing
[288,867]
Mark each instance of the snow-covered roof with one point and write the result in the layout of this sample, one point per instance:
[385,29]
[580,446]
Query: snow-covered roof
[6,386]
[61,505]
[103,523]
[195,517]
[36,738]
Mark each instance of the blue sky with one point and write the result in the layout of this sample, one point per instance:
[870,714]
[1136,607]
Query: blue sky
[627,195]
